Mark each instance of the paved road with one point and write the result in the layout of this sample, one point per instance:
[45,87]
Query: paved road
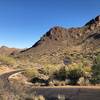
[70,92]
[4,82]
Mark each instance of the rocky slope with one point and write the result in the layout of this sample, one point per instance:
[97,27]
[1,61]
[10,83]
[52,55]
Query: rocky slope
[60,43]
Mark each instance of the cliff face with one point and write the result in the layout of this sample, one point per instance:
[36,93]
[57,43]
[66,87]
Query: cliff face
[59,42]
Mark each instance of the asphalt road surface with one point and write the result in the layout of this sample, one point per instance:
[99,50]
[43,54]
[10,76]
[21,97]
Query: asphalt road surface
[4,82]
[70,92]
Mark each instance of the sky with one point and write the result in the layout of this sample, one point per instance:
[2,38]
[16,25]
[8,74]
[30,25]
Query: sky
[23,22]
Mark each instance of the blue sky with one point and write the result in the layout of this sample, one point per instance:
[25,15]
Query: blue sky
[23,22]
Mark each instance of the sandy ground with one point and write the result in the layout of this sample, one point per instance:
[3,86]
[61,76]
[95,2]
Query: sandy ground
[5,69]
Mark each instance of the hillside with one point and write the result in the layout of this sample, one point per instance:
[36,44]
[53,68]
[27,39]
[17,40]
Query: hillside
[4,50]
[60,43]
[61,58]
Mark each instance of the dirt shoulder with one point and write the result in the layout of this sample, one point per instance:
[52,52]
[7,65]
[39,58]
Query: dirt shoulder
[5,69]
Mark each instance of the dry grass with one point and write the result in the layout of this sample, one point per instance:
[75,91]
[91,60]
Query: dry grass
[31,72]
[7,60]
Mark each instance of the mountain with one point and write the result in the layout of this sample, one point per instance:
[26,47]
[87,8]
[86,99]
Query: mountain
[61,43]
[4,50]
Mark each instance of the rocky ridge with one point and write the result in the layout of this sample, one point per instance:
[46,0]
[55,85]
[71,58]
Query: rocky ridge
[59,42]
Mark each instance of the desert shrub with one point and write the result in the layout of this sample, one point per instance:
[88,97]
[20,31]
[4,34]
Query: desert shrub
[96,74]
[61,74]
[58,83]
[96,71]
[80,70]
[39,82]
[72,73]
[82,81]
[31,72]
[97,60]
[87,72]
[50,69]
[7,60]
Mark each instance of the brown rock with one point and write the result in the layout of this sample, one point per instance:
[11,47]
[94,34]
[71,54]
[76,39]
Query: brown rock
[97,18]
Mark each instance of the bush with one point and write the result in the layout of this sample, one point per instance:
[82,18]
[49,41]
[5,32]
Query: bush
[96,71]
[49,69]
[74,75]
[97,60]
[72,72]
[55,75]
[31,72]
[75,72]
[7,60]
[40,97]
[61,74]
[87,70]
[96,74]
[82,81]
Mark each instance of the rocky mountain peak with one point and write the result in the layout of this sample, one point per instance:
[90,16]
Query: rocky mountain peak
[94,22]
[97,18]
[54,31]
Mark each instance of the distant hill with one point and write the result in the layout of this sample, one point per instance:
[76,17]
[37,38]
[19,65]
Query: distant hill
[60,43]
[4,50]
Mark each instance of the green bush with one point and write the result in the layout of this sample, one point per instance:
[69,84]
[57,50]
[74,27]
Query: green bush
[72,72]
[74,75]
[96,74]
[97,60]
[49,69]
[61,74]
[96,71]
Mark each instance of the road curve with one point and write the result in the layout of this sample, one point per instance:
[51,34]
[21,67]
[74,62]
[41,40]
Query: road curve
[71,92]
[4,82]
